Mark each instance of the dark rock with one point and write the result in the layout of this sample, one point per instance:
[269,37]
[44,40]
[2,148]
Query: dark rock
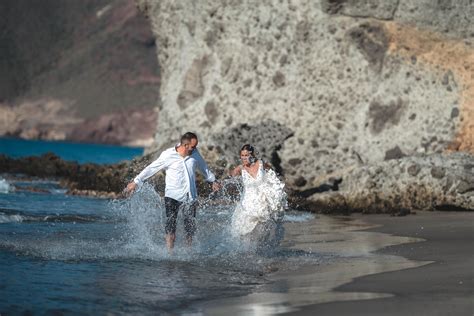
[451,208]
[300,181]
[382,115]
[438,172]
[332,184]
[402,212]
[394,153]
[447,77]
[279,79]
[294,161]
[211,111]
[469,167]
[267,138]
[372,41]
[454,112]
[383,10]
[465,186]
[332,6]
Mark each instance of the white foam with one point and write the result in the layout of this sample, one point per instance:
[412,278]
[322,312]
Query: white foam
[302,217]
[10,218]
[4,186]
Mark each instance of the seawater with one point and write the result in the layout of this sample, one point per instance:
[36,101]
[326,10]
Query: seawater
[82,153]
[61,253]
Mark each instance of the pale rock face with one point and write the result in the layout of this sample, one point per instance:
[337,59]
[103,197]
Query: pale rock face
[341,82]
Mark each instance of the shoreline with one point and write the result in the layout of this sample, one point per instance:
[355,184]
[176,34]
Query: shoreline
[444,287]
[385,266]
[341,251]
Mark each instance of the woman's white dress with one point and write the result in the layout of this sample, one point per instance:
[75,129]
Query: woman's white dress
[262,203]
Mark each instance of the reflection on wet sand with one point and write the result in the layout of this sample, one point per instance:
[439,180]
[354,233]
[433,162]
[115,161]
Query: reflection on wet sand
[352,253]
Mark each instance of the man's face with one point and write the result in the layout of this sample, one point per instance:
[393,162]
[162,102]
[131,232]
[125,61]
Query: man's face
[190,146]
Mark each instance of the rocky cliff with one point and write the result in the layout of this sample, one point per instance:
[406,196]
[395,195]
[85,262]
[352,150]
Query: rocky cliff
[328,91]
[339,83]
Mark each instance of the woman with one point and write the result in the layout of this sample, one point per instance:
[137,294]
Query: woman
[263,201]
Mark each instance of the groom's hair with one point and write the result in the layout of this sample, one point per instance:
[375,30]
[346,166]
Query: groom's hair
[186,138]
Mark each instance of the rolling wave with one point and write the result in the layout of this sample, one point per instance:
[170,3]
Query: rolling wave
[9,216]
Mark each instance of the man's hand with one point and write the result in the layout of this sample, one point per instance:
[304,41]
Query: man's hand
[129,189]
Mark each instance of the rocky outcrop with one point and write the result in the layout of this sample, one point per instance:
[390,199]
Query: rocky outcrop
[354,102]
[52,120]
[356,82]
[397,186]
[436,182]
[106,181]
[268,137]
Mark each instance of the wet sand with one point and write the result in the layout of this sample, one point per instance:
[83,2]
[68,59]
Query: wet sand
[444,287]
[419,264]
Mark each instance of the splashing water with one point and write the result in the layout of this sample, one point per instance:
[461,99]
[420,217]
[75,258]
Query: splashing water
[4,186]
[143,214]
[74,250]
[144,217]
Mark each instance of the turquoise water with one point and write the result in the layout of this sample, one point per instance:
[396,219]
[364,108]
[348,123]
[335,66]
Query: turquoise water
[82,153]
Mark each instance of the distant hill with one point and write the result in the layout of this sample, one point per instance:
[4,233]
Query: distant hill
[67,65]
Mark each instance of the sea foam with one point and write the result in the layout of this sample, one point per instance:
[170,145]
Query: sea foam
[4,186]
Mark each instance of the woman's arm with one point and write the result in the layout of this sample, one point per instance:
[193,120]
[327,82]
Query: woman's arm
[237,171]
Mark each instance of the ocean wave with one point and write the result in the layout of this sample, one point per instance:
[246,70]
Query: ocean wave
[10,218]
[7,216]
[298,217]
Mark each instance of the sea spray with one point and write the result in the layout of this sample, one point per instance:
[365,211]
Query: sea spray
[144,217]
[73,228]
[4,186]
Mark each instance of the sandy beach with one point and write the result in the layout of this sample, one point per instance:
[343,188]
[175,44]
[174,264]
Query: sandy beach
[420,264]
[444,287]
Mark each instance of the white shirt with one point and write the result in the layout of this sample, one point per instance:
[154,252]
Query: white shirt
[180,173]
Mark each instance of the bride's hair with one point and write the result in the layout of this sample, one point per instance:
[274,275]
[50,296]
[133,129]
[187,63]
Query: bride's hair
[251,150]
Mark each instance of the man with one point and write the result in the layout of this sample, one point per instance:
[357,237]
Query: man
[180,163]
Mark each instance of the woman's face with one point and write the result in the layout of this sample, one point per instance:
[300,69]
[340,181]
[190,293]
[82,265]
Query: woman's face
[245,156]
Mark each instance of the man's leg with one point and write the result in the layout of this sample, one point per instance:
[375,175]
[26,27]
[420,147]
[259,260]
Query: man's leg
[172,207]
[189,212]
[170,238]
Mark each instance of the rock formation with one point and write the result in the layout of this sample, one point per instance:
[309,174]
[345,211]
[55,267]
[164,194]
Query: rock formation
[349,84]
[435,182]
